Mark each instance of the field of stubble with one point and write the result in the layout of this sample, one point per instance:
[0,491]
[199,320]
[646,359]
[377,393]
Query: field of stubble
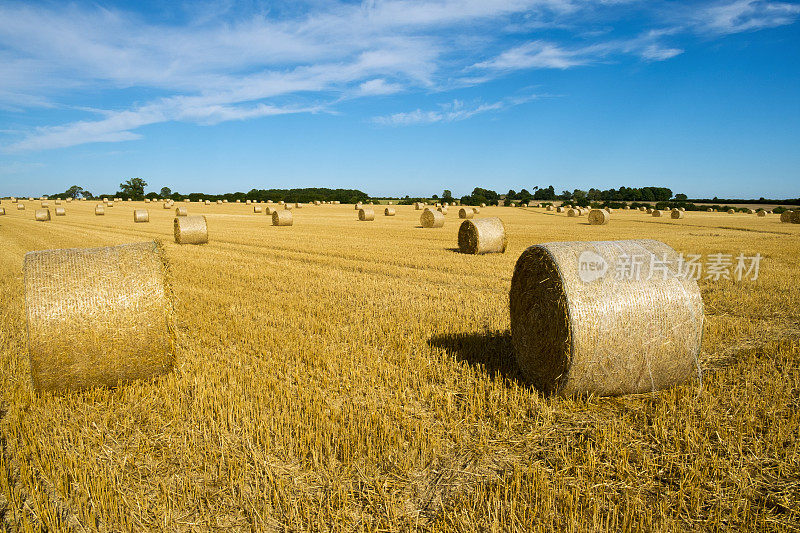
[343,375]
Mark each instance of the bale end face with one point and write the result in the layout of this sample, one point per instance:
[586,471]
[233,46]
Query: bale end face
[191,229]
[598,217]
[98,317]
[577,329]
[482,236]
[431,219]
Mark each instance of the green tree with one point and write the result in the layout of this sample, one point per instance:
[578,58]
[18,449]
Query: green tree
[165,191]
[133,188]
[683,197]
[447,195]
[75,192]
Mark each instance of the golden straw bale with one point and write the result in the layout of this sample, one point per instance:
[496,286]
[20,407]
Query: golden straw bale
[558,209]
[298,205]
[431,219]
[61,212]
[257,209]
[141,215]
[786,216]
[191,229]
[20,207]
[58,202]
[476,210]
[598,217]
[98,317]
[482,235]
[42,215]
[761,213]
[442,210]
[282,218]
[181,212]
[676,214]
[483,204]
[358,206]
[573,212]
[99,210]
[466,212]
[269,210]
[287,207]
[166,205]
[366,214]
[657,212]
[577,328]
[794,218]
[731,211]
[2,211]
[389,212]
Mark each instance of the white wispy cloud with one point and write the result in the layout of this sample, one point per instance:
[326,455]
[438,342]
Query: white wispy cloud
[235,62]
[449,112]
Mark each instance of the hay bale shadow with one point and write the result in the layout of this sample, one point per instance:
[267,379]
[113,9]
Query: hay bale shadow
[491,351]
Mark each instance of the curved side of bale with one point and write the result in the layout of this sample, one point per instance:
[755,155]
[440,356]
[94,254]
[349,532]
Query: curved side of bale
[61,212]
[794,218]
[598,217]
[99,210]
[656,213]
[466,212]
[573,212]
[578,330]
[389,212]
[731,211]
[118,298]
[677,214]
[558,209]
[181,212]
[42,215]
[366,214]
[442,210]
[282,218]
[20,207]
[141,215]
[257,209]
[431,219]
[786,216]
[191,229]
[269,210]
[482,235]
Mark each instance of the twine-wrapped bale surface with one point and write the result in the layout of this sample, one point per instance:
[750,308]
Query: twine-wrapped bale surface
[257,209]
[191,230]
[598,217]
[99,210]
[786,216]
[20,207]
[794,218]
[431,219]
[761,213]
[731,211]
[677,214]
[482,235]
[466,212]
[61,212]
[573,212]
[578,329]
[656,213]
[181,212]
[269,210]
[366,214]
[141,215]
[282,218]
[442,210]
[97,316]
[389,212]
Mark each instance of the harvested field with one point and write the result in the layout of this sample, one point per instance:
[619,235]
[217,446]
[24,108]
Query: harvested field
[288,410]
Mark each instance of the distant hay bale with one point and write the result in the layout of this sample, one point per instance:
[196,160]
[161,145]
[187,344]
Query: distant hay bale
[731,211]
[219,202]
[573,212]
[2,211]
[190,229]
[282,218]
[248,202]
[110,205]
[187,200]
[709,210]
[476,210]
[761,213]
[418,206]
[389,212]
[577,328]
[281,202]
[317,202]
[298,205]
[269,210]
[287,207]
[257,209]
[99,210]
[598,217]
[482,236]
[166,205]
[657,213]
[390,203]
[442,210]
[682,209]
[786,216]
[626,207]
[751,212]
[141,215]
[42,215]
[358,206]
[45,205]
[58,202]
[181,212]
[147,200]
[650,211]
[431,219]
[20,207]
[676,214]
[466,212]
[794,218]
[30,198]
[98,317]
[366,214]
[483,205]
[208,202]
[61,212]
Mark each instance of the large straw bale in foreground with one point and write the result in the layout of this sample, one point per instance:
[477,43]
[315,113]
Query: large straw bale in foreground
[366,214]
[577,329]
[42,215]
[191,230]
[97,316]
[282,218]
[141,215]
[431,219]
[598,217]
[466,212]
[482,235]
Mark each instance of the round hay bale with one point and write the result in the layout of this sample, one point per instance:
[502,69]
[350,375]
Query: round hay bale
[431,219]
[466,212]
[476,210]
[442,210]
[298,205]
[317,202]
[219,202]
[573,212]
[794,218]
[358,206]
[208,202]
[751,212]
[389,212]
[287,207]
[181,212]
[598,217]
[269,210]
[482,236]
[58,202]
[282,218]
[676,214]
[30,198]
[609,210]
[248,202]
[98,317]
[141,215]
[786,216]
[110,205]
[558,209]
[657,213]
[483,205]
[682,209]
[165,205]
[2,211]
[61,212]
[550,208]
[761,213]
[709,210]
[147,200]
[190,229]
[99,210]
[731,211]
[257,209]
[578,329]
[366,214]
[20,207]
[626,207]
[281,202]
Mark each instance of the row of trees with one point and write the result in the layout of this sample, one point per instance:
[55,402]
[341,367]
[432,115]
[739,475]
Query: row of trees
[578,196]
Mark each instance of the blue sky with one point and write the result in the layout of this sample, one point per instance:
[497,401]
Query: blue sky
[402,96]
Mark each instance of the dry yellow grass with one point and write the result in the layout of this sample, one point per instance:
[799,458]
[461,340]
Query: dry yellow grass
[295,412]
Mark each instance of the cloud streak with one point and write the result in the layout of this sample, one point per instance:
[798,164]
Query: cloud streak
[449,112]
